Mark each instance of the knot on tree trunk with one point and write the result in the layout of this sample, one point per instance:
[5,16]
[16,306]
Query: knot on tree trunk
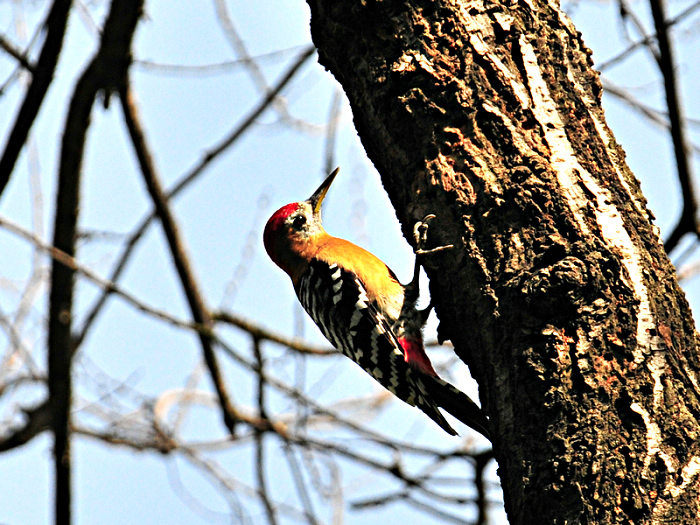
[558,287]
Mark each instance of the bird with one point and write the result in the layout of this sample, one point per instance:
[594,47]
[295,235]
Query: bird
[360,306]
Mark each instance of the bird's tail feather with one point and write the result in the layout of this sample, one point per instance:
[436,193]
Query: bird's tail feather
[437,416]
[459,405]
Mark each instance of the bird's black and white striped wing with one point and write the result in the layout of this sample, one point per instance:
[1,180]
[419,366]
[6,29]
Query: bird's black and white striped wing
[338,303]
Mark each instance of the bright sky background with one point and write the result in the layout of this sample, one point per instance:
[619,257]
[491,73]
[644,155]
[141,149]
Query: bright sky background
[184,116]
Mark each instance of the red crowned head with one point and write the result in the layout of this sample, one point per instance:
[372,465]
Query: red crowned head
[293,227]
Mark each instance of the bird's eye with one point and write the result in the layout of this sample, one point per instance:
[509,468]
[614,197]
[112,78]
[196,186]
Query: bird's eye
[298,222]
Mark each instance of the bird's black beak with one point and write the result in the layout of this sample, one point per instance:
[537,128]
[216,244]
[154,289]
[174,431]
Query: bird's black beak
[317,198]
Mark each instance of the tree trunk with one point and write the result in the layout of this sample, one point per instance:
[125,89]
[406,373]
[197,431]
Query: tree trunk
[558,294]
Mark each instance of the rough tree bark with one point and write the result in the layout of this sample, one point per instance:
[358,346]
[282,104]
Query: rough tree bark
[559,296]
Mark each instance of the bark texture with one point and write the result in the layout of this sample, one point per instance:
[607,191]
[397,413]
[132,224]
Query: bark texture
[559,295]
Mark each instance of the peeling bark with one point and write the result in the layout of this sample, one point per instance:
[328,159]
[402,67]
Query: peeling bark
[559,296]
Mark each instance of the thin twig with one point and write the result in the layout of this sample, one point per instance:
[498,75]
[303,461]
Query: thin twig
[655,116]
[434,511]
[250,119]
[264,334]
[71,262]
[250,63]
[260,373]
[200,70]
[263,490]
[248,251]
[228,485]
[16,73]
[622,55]
[300,485]
[332,131]
[232,486]
[16,54]
[627,13]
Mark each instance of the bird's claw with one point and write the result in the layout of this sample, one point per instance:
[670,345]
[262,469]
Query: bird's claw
[420,236]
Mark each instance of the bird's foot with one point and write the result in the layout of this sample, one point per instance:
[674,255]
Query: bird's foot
[420,236]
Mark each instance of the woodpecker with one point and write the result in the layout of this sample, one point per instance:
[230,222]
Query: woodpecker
[361,307]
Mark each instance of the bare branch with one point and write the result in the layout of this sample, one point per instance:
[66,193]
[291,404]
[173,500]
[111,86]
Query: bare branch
[106,72]
[627,13]
[200,70]
[236,42]
[263,490]
[200,312]
[254,329]
[300,485]
[186,180]
[70,262]
[687,223]
[659,118]
[646,40]
[38,420]
[250,119]
[33,98]
[264,334]
[366,433]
